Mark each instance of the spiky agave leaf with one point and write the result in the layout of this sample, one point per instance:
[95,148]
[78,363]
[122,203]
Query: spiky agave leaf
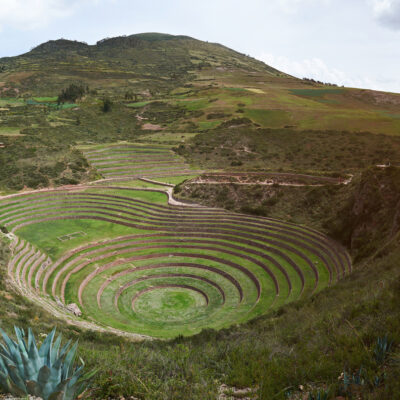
[45,348]
[56,350]
[47,372]
[69,360]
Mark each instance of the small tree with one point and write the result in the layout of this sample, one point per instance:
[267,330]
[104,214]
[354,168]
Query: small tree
[129,95]
[71,93]
[107,104]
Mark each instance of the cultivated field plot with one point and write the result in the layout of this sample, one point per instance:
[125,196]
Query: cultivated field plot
[125,161]
[148,268]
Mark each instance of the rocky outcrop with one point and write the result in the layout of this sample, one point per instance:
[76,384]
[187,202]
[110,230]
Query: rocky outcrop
[74,309]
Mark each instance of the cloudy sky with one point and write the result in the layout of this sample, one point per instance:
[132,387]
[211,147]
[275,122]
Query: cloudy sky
[349,42]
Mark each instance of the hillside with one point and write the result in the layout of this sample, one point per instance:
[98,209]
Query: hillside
[244,220]
[217,83]
[223,107]
[143,62]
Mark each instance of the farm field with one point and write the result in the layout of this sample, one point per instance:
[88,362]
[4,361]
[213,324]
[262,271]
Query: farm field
[135,264]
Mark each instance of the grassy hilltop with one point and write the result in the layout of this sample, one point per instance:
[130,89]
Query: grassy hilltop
[284,279]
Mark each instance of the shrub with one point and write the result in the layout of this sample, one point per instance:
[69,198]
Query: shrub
[71,93]
[107,104]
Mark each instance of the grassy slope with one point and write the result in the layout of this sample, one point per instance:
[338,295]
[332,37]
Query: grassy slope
[249,148]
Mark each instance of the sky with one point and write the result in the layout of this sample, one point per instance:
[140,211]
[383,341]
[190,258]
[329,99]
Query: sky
[354,43]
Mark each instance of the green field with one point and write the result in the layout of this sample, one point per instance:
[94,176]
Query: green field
[45,99]
[11,102]
[9,131]
[139,104]
[269,118]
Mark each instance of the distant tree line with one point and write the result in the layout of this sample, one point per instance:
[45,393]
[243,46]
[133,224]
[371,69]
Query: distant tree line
[72,93]
[129,95]
[319,82]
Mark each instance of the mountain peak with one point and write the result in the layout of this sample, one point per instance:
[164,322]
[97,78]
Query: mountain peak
[134,40]
[60,44]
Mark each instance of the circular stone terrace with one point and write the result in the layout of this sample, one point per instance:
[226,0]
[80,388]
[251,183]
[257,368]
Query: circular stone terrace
[134,264]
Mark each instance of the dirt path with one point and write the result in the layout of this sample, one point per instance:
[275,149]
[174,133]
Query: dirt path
[156,182]
[269,182]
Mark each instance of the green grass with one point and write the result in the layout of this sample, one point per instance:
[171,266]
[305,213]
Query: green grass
[175,180]
[128,159]
[205,125]
[194,104]
[136,184]
[269,118]
[11,102]
[168,137]
[45,235]
[315,92]
[9,131]
[138,104]
[152,197]
[45,99]
[237,89]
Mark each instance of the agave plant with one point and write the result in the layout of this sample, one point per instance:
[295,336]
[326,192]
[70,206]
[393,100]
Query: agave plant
[47,372]
[319,395]
[382,349]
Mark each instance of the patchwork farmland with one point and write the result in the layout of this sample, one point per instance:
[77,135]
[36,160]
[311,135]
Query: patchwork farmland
[135,264]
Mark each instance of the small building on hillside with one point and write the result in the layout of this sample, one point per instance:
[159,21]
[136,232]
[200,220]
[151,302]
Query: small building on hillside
[2,145]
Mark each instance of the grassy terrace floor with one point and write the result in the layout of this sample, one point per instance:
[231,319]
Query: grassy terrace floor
[133,263]
[129,161]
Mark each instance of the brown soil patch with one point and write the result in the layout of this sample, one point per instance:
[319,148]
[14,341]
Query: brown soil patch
[18,77]
[152,127]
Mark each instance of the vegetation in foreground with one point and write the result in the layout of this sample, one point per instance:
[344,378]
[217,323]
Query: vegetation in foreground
[47,372]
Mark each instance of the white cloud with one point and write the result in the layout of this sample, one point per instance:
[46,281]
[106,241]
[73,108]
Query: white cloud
[386,12]
[317,69]
[31,14]
[292,6]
